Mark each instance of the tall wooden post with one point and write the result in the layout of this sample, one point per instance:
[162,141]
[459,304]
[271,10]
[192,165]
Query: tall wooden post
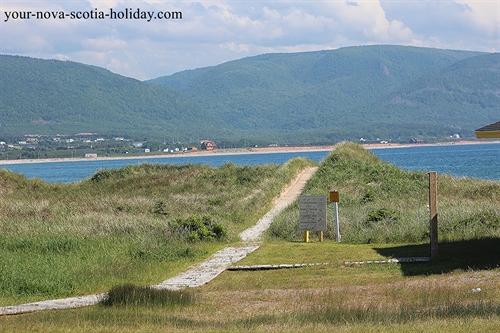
[433,213]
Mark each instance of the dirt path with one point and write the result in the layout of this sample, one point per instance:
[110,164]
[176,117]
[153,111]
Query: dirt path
[198,274]
[209,269]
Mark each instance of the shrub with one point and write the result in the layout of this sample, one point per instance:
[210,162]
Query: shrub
[201,228]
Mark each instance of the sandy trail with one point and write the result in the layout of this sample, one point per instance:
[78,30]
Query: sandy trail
[200,273]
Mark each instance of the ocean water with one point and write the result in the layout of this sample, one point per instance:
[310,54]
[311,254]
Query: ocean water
[67,172]
[477,161]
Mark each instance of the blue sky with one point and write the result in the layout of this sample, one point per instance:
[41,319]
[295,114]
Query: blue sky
[213,32]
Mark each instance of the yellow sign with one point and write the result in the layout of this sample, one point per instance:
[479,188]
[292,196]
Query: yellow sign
[334,196]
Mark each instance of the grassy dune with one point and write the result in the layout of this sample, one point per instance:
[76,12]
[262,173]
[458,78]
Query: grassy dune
[380,203]
[140,224]
[380,216]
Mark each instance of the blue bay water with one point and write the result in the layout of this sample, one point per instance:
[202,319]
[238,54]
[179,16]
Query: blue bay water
[477,161]
[67,172]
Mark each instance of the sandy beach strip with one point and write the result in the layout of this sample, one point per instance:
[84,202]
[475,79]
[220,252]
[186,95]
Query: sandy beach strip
[240,151]
[216,152]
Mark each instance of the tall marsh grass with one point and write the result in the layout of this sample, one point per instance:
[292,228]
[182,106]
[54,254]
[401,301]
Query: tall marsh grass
[131,295]
[373,307]
[138,224]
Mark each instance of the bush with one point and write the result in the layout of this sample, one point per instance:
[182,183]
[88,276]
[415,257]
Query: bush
[201,228]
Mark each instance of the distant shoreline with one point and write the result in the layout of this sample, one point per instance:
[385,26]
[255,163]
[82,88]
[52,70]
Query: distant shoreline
[437,144]
[243,151]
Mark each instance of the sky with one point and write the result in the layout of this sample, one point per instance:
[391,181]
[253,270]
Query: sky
[152,38]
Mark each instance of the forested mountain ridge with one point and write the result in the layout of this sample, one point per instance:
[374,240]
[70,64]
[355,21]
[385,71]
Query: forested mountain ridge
[330,95]
[459,82]
[387,92]
[51,96]
[460,98]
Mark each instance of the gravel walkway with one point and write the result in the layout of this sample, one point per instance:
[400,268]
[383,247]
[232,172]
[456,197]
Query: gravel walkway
[195,275]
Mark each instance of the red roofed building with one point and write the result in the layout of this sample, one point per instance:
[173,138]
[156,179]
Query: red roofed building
[208,145]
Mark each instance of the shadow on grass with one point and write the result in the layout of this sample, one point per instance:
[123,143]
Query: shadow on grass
[477,254]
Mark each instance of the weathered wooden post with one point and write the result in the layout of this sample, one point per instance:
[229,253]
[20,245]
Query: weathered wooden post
[433,213]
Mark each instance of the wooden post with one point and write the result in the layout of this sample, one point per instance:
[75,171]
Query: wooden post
[320,236]
[306,236]
[433,213]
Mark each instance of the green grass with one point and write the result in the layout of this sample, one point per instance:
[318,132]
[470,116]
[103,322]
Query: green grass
[129,295]
[38,270]
[345,298]
[378,208]
[139,224]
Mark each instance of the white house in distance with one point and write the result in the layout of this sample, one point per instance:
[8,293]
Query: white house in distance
[90,155]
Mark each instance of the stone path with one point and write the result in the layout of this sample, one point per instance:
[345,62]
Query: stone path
[198,274]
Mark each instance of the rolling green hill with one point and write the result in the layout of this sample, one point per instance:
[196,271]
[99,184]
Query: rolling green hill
[461,76]
[387,92]
[340,94]
[50,96]
[464,96]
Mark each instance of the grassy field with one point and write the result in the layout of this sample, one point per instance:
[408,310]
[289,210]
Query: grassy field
[383,215]
[140,224]
[340,297]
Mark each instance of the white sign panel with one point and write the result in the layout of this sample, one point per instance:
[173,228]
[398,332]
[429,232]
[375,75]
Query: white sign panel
[313,213]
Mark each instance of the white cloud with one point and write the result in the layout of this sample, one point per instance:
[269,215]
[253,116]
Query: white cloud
[212,32]
[234,47]
[469,24]
[107,43]
[482,16]
[106,3]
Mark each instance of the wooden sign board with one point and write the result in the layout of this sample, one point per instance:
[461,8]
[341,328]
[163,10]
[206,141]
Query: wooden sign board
[313,213]
[334,196]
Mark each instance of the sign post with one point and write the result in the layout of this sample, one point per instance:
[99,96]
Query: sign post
[433,213]
[334,197]
[312,215]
